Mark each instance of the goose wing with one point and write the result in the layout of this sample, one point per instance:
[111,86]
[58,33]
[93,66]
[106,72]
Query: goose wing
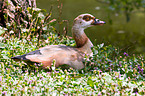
[61,53]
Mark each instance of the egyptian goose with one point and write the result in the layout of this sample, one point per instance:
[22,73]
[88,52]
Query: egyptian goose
[64,54]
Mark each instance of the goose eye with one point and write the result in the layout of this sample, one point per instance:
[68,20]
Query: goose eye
[98,20]
[87,18]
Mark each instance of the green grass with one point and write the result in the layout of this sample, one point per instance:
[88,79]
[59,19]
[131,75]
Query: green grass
[107,72]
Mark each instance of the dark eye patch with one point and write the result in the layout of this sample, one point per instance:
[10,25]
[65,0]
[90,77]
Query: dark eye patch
[87,18]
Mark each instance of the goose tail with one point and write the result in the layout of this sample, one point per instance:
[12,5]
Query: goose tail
[19,58]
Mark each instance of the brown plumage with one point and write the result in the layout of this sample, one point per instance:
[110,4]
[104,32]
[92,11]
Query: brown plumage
[64,54]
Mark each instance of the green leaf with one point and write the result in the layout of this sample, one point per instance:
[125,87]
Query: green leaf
[2,31]
[5,57]
[90,82]
[2,45]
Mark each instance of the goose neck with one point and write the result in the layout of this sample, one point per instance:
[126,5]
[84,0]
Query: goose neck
[82,41]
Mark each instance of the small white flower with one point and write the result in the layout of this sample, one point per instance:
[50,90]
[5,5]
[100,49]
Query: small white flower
[37,9]
[8,24]
[11,32]
[1,27]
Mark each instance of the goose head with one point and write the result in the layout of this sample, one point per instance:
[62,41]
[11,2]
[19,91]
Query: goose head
[84,21]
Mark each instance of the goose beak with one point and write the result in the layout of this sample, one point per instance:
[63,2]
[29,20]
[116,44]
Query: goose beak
[98,22]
